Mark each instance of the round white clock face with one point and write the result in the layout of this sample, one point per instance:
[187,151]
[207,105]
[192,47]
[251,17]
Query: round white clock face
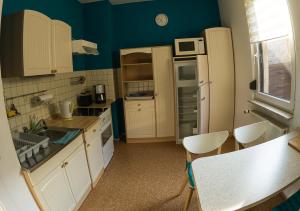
[161,19]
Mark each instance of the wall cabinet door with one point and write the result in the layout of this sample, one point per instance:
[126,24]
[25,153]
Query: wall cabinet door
[37,55]
[140,123]
[95,157]
[164,91]
[61,47]
[55,193]
[78,173]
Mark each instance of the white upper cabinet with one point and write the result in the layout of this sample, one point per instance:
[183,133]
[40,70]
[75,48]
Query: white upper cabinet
[61,47]
[33,44]
[36,44]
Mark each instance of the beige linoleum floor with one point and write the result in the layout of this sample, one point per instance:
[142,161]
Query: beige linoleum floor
[144,177]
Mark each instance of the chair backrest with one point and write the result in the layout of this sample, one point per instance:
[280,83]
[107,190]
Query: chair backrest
[205,143]
[250,133]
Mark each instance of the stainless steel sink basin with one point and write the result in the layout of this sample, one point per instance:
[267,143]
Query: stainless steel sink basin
[54,133]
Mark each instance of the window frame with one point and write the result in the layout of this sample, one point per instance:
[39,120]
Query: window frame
[269,99]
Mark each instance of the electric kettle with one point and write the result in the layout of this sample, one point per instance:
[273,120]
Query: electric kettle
[66,109]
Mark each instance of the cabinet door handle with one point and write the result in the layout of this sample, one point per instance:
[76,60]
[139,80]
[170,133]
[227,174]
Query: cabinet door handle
[139,104]
[66,163]
[139,109]
[202,99]
[53,71]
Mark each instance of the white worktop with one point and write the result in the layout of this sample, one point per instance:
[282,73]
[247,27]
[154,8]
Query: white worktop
[245,178]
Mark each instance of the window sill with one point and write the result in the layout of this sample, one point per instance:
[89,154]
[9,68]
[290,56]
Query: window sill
[275,110]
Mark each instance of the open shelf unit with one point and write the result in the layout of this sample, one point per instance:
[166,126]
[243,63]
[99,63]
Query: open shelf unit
[137,70]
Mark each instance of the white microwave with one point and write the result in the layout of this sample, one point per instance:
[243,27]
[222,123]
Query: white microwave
[189,46]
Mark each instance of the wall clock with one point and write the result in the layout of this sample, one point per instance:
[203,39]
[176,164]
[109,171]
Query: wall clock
[161,20]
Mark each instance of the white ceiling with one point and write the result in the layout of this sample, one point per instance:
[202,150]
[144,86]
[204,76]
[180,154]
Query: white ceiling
[114,2]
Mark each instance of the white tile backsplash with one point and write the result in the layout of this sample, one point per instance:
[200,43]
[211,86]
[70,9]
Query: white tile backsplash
[58,85]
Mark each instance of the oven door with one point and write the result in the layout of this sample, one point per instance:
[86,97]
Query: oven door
[106,133]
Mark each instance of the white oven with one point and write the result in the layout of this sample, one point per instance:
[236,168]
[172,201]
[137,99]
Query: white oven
[107,136]
[189,46]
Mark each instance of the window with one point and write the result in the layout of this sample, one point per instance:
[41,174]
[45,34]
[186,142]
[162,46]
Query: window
[271,41]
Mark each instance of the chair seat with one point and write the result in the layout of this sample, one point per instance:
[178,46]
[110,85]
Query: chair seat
[250,133]
[292,204]
[190,174]
[204,143]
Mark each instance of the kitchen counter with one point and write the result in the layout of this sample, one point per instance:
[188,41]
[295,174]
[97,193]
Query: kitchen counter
[245,178]
[78,122]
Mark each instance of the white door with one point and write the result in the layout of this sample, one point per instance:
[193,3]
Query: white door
[164,91]
[37,44]
[78,173]
[140,123]
[61,47]
[55,193]
[95,157]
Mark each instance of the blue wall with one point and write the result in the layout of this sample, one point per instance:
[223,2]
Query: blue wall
[98,28]
[135,23]
[70,11]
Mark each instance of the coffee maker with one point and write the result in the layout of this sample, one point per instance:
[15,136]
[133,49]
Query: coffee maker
[100,97]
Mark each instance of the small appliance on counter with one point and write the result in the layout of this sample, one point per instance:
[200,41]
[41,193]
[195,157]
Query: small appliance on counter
[100,97]
[85,99]
[66,109]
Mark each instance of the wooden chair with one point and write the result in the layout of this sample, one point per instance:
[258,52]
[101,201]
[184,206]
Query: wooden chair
[249,133]
[199,144]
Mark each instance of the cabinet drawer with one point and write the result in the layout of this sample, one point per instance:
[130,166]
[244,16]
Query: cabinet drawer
[139,104]
[93,132]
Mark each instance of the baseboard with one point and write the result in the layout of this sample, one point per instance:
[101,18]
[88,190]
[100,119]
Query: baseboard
[150,140]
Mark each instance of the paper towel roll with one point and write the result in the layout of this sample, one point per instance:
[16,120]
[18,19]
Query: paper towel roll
[45,98]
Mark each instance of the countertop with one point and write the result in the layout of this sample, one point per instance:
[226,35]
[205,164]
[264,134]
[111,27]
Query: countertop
[44,155]
[78,122]
[245,178]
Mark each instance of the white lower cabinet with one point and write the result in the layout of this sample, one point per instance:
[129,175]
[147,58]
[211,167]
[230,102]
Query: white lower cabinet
[63,182]
[140,119]
[78,173]
[95,158]
[55,192]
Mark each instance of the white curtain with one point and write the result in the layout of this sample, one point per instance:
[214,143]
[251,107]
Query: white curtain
[268,19]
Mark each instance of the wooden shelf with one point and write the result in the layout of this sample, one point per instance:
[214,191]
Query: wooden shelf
[137,81]
[137,64]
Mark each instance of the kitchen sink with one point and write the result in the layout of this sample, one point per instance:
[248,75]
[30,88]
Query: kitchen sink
[54,134]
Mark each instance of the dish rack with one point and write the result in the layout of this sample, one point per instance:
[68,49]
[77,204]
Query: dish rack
[27,145]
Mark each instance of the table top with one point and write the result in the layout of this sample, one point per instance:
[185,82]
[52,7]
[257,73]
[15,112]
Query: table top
[245,178]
